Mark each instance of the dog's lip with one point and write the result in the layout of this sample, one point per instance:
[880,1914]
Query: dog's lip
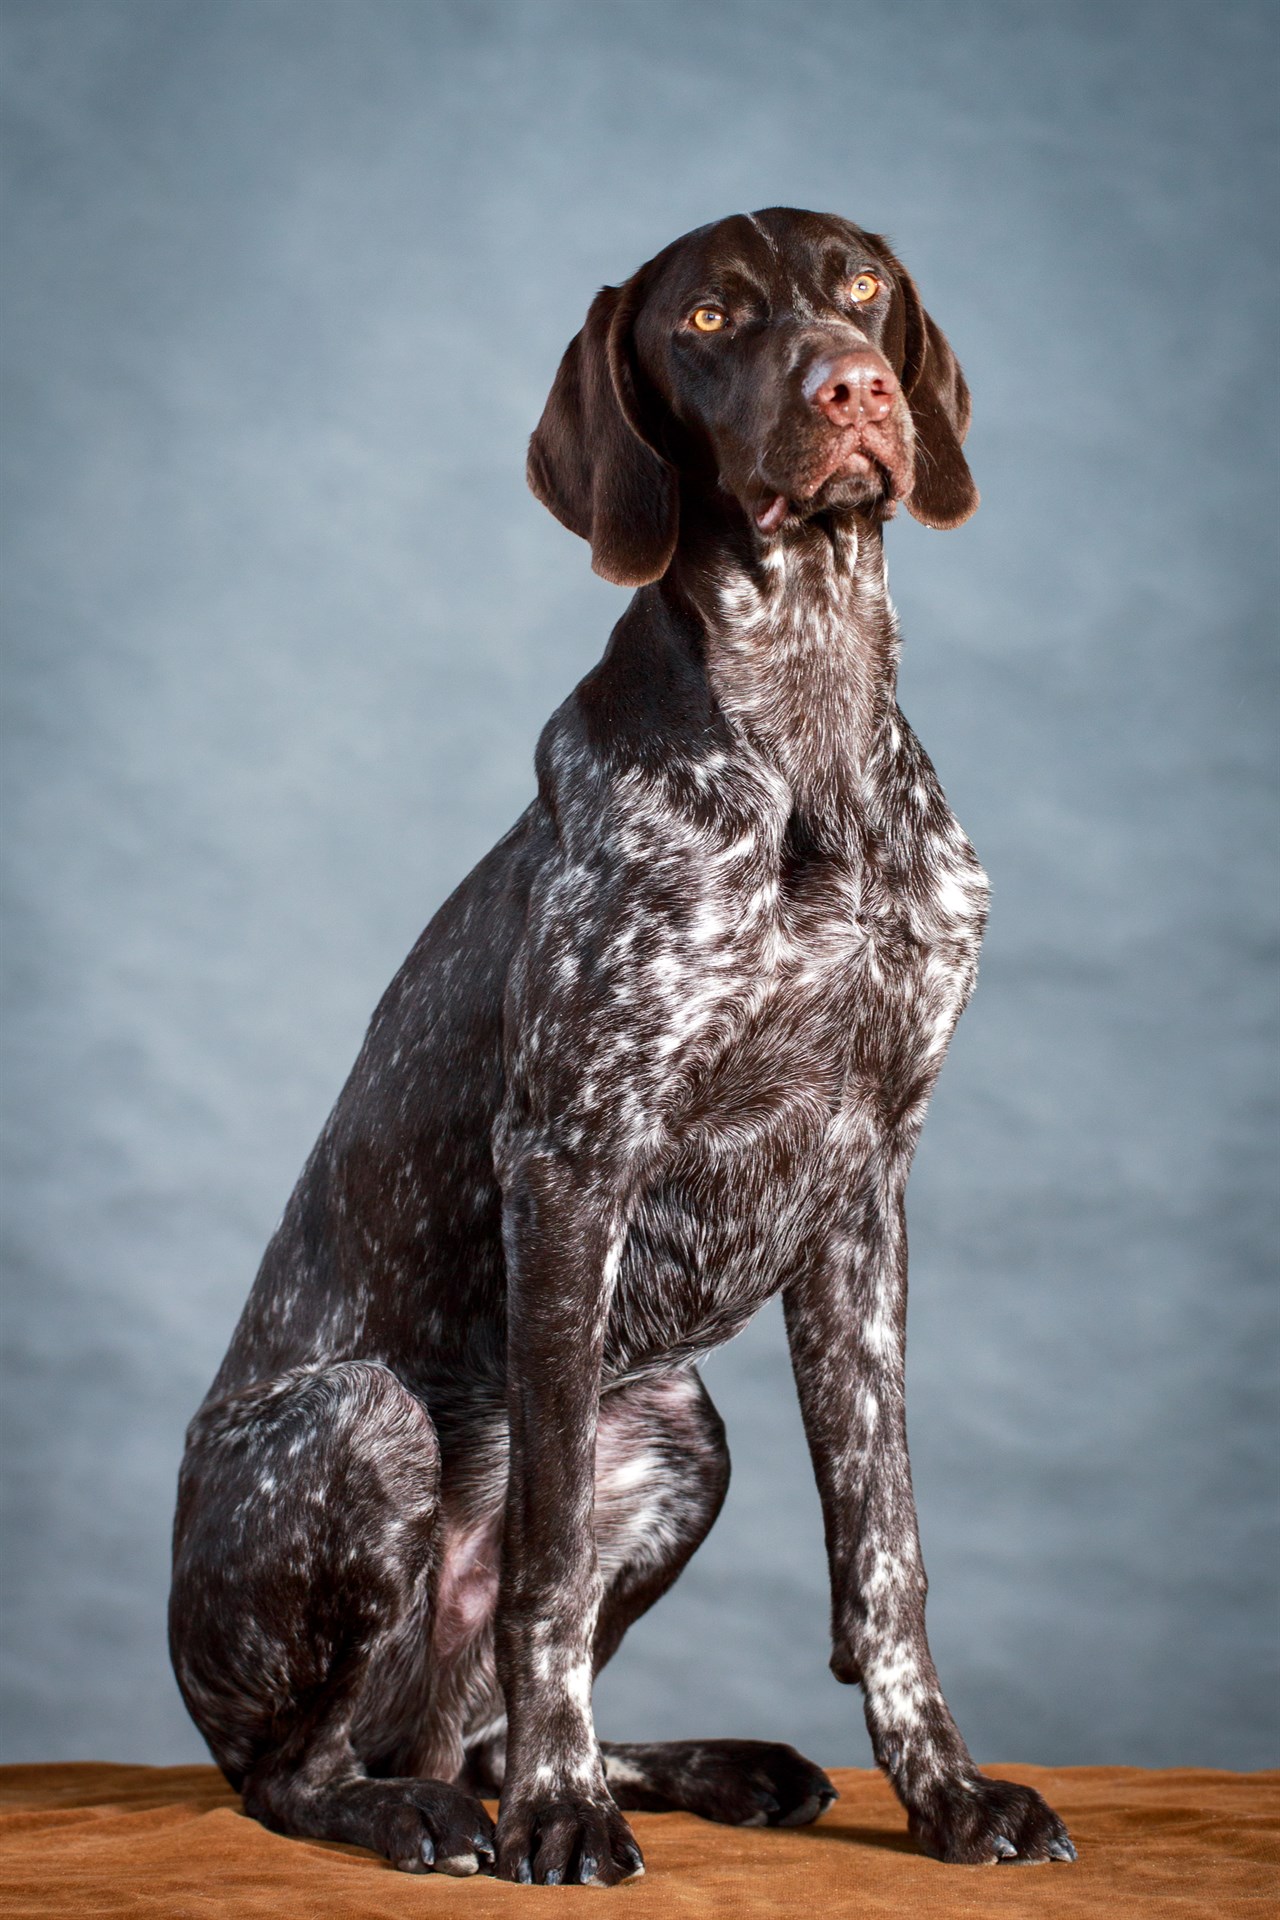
[770,516]
[770,509]
[849,463]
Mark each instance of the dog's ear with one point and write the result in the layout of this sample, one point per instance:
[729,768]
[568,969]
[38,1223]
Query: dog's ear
[589,459]
[942,493]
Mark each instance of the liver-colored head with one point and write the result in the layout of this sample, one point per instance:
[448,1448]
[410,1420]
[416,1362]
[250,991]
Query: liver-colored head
[781,360]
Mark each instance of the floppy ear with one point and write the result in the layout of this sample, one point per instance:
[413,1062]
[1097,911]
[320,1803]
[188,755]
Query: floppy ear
[942,492]
[590,461]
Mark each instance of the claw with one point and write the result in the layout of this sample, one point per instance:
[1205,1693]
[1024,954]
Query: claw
[1005,1849]
[805,1815]
[1062,1849]
[765,1814]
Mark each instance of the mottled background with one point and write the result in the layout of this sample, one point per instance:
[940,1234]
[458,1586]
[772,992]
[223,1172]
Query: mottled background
[284,289]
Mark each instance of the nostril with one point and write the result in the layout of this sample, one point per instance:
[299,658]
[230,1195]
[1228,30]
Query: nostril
[853,389]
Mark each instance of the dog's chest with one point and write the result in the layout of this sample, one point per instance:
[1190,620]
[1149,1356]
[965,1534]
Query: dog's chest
[807,1024]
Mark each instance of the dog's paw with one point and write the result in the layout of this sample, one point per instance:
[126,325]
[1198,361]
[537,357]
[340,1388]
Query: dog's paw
[977,1821]
[421,1826]
[570,1841]
[742,1783]
[757,1783]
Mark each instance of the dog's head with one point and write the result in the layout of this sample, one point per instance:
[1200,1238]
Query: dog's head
[780,360]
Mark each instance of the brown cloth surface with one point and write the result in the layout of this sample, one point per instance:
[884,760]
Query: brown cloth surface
[109,1840]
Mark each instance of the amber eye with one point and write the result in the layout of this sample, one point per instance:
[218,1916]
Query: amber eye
[708,319]
[864,288]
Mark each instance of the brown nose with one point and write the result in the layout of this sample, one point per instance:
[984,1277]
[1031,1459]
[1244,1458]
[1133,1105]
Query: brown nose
[852,387]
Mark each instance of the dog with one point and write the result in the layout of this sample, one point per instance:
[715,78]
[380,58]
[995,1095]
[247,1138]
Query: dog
[664,1054]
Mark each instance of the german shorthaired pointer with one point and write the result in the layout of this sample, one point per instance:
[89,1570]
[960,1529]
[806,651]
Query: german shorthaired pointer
[664,1054]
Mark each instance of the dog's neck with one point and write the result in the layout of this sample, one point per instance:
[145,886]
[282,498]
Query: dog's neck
[801,649]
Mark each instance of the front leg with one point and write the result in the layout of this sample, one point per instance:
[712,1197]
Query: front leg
[846,1323]
[558,1821]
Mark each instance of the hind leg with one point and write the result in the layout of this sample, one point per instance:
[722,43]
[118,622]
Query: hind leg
[662,1473]
[662,1470]
[303,1547]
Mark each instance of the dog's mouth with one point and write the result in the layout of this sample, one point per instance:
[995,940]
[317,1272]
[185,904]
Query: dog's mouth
[855,480]
[857,470]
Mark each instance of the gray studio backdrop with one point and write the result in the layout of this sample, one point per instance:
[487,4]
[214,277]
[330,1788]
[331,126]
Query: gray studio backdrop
[285,286]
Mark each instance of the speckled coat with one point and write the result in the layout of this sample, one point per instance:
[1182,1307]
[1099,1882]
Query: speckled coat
[664,1054]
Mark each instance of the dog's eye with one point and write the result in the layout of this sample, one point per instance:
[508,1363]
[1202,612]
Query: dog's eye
[708,319]
[864,288]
